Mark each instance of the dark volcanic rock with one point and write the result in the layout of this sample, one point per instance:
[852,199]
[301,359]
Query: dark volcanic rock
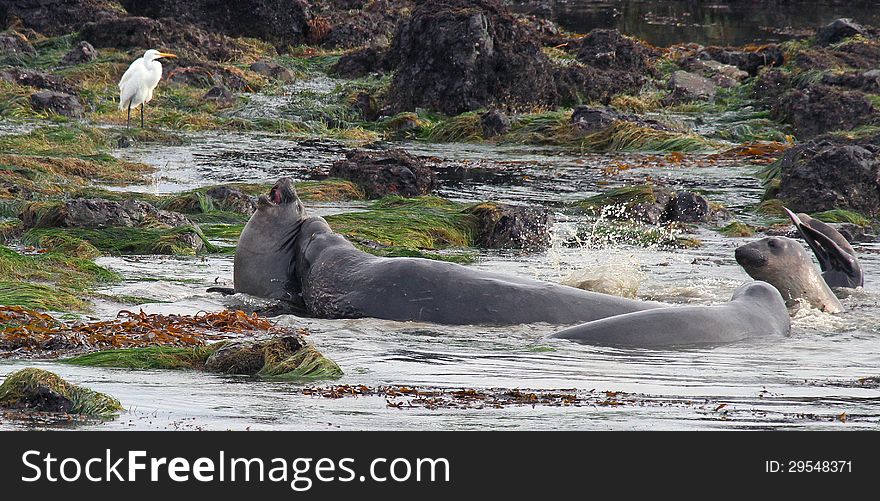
[820,108]
[361,62]
[589,119]
[237,357]
[194,76]
[494,123]
[610,50]
[460,55]
[38,79]
[866,81]
[688,207]
[388,172]
[145,33]
[282,22]
[15,45]
[100,213]
[57,102]
[837,30]
[832,172]
[82,52]
[749,61]
[273,70]
[503,226]
[358,23]
[56,17]
[232,199]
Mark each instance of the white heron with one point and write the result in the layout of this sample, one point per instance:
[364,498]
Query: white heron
[138,82]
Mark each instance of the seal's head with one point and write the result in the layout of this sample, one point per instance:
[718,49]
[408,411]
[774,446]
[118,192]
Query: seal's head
[282,197]
[785,264]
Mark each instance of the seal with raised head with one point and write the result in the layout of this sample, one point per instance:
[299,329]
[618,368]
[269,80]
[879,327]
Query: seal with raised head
[756,310]
[284,254]
[785,263]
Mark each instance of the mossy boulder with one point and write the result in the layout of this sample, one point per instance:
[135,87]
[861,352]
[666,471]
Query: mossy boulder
[499,226]
[286,357]
[650,204]
[39,390]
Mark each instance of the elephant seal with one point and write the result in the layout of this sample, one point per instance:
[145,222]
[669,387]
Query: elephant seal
[785,263]
[755,310]
[284,254]
[840,266]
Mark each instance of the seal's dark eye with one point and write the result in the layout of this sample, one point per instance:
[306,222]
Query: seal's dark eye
[771,243]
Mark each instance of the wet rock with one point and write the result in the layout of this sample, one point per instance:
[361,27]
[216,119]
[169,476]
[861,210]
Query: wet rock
[837,30]
[15,45]
[57,102]
[460,55]
[362,62]
[220,95]
[503,226]
[770,85]
[145,33]
[865,81]
[373,24]
[83,52]
[37,79]
[286,357]
[610,50]
[237,357]
[832,172]
[494,123]
[205,75]
[388,172]
[232,199]
[688,207]
[817,109]
[57,17]
[685,87]
[589,119]
[281,22]
[99,213]
[722,75]
[273,70]
[749,61]
[38,390]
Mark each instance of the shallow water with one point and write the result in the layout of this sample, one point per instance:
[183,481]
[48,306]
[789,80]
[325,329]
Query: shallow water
[805,381]
[720,22]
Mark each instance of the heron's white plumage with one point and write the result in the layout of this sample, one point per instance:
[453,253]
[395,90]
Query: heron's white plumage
[137,84]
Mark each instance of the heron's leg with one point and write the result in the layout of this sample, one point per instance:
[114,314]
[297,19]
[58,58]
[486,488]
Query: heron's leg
[143,105]
[128,123]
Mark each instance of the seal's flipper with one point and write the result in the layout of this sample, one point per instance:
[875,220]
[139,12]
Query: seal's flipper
[840,267]
[226,291]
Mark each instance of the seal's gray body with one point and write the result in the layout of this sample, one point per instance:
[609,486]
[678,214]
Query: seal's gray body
[282,254]
[756,310]
[785,263]
[340,281]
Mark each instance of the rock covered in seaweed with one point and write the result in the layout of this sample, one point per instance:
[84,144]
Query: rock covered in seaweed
[387,172]
[651,204]
[281,22]
[15,45]
[98,213]
[504,226]
[38,390]
[83,52]
[57,17]
[832,172]
[817,109]
[460,55]
[57,102]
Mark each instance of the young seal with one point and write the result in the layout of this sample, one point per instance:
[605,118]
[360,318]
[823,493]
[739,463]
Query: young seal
[284,254]
[755,310]
[785,263]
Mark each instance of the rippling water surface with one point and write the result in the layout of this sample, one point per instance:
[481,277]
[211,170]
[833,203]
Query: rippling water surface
[809,380]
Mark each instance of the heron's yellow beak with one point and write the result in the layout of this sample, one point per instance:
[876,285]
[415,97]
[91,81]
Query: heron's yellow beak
[167,54]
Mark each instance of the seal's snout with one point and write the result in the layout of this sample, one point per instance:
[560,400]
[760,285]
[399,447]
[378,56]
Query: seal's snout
[282,192]
[749,257]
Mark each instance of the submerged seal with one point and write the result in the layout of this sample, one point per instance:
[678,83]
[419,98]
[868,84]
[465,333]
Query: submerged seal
[284,254]
[785,263]
[756,310]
